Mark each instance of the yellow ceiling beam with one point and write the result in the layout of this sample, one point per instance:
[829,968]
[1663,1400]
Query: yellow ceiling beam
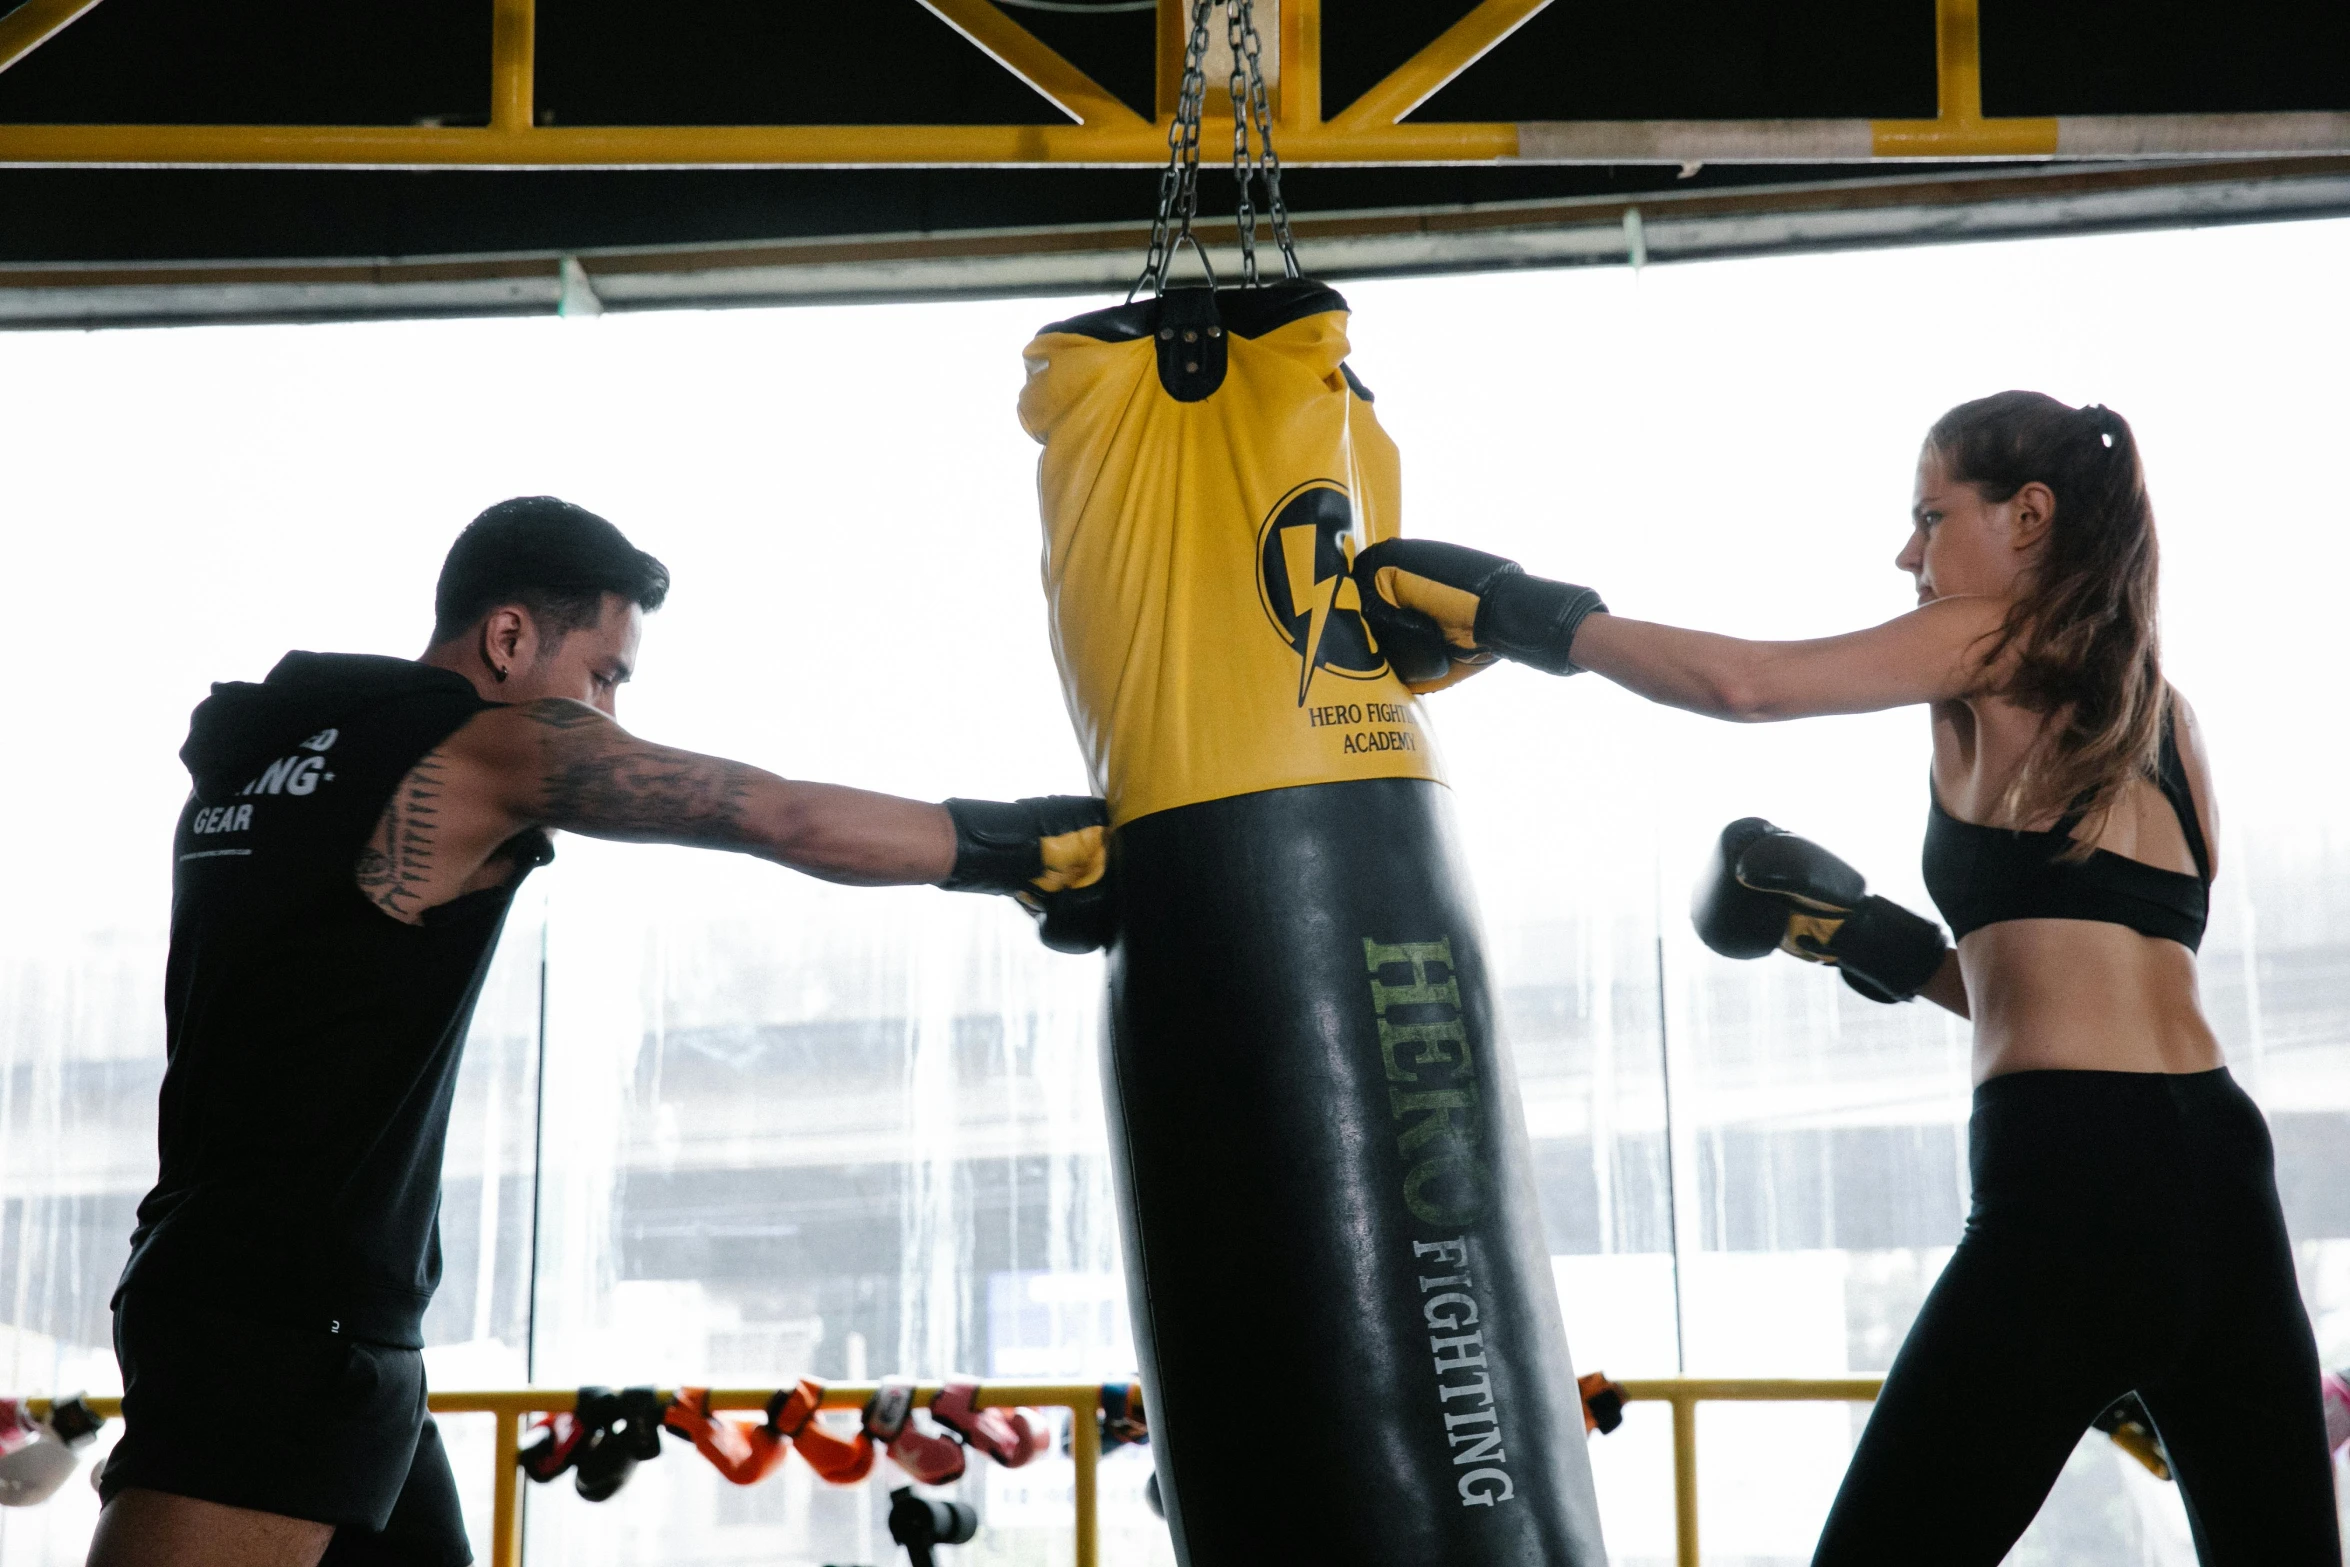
[34,23]
[1028,57]
[513,64]
[1299,97]
[1425,74]
[1959,129]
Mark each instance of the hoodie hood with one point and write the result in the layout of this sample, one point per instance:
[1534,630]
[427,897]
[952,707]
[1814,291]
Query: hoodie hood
[241,727]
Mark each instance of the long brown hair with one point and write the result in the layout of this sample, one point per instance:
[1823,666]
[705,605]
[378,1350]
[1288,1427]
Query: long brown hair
[2079,644]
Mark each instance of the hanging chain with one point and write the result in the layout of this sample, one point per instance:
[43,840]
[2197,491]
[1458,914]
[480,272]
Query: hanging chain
[1179,181]
[1259,110]
[1171,228]
[1240,32]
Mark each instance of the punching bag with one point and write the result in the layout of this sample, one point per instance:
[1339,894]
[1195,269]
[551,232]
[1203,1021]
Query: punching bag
[1349,1334]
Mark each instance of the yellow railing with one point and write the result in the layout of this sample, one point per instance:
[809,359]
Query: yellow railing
[513,1406]
[1686,1393]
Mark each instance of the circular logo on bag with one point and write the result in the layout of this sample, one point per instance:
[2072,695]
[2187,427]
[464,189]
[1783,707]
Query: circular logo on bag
[1304,554]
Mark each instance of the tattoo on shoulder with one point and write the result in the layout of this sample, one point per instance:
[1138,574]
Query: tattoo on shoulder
[557,713]
[395,869]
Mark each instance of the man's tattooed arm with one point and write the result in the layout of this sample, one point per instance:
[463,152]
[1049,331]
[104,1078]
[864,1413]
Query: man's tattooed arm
[598,779]
[565,765]
[595,778]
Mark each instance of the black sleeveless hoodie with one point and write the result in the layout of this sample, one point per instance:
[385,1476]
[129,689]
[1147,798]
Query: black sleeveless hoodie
[313,1040]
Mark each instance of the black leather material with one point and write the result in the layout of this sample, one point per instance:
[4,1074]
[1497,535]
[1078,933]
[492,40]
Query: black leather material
[1249,312]
[1732,918]
[1324,1173]
[1533,620]
[1191,344]
[1896,951]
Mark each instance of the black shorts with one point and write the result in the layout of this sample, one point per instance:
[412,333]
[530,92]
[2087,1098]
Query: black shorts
[285,1420]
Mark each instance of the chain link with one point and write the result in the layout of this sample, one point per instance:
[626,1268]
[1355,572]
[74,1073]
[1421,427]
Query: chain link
[1240,32]
[1261,112]
[1179,181]
[1172,227]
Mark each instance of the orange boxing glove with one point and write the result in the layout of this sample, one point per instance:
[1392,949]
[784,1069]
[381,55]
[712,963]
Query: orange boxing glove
[1603,1402]
[743,1452]
[792,1414]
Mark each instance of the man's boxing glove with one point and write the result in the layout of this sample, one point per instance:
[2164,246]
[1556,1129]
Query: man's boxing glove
[1439,611]
[1051,853]
[1764,888]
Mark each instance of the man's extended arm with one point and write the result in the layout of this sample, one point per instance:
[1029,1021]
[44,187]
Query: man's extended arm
[563,764]
[566,765]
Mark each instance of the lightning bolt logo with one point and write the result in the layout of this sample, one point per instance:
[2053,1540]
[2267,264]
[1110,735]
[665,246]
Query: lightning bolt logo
[1306,554]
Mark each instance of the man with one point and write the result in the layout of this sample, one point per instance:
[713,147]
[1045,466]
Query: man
[356,833]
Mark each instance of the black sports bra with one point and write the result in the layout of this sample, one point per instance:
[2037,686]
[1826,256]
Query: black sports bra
[1981,875]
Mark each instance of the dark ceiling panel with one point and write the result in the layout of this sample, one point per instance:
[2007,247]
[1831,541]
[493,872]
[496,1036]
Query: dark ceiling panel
[725,62]
[1705,60]
[2164,56]
[1118,49]
[1364,40]
[259,62]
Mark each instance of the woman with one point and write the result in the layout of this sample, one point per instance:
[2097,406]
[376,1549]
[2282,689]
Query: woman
[2125,1231]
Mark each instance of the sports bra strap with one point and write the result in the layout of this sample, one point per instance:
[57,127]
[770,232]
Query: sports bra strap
[2171,776]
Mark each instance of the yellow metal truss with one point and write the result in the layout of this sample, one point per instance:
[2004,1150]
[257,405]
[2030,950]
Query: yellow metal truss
[1103,132]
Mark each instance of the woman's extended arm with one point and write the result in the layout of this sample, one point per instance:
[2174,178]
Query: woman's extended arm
[1430,602]
[1932,654]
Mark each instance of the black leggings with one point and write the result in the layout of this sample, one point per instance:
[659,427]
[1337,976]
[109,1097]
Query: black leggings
[2125,1234]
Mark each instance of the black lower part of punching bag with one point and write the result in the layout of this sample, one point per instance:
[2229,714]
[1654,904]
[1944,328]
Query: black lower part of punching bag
[1342,1300]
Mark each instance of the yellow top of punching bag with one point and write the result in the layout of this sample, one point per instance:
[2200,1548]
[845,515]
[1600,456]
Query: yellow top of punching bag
[1210,468]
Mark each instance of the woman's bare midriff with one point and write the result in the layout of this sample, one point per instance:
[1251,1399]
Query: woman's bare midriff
[2081,995]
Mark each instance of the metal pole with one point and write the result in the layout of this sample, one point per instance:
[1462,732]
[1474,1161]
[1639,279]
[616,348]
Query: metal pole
[1685,1481]
[1085,1445]
[506,1507]
[1664,1063]
[513,64]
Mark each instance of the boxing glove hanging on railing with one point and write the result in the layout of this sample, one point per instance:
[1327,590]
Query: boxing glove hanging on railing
[1317,1142]
[791,1413]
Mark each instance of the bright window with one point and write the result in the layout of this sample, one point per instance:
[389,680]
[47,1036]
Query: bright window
[788,1128]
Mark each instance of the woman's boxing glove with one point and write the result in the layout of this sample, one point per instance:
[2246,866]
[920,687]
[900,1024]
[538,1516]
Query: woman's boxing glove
[1764,888]
[1441,610]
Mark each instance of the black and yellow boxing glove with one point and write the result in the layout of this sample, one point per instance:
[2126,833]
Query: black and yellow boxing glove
[1764,889]
[1050,852]
[1442,611]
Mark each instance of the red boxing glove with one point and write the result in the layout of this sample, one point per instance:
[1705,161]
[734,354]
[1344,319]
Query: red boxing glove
[792,1414]
[889,1421]
[928,1457]
[555,1448]
[743,1452]
[1009,1436]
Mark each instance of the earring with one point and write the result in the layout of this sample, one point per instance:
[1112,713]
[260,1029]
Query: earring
[500,675]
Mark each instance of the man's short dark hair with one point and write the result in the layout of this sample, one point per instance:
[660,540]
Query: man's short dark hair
[555,559]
